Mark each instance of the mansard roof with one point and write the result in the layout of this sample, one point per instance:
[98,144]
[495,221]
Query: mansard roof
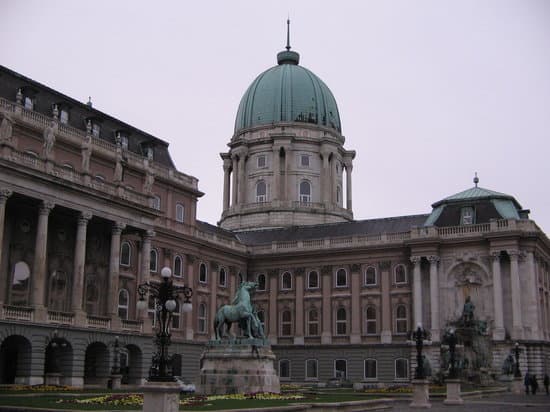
[358,227]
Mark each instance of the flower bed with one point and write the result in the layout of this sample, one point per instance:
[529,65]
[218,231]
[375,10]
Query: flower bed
[39,388]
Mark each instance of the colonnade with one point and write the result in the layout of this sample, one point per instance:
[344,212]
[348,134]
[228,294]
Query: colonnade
[235,178]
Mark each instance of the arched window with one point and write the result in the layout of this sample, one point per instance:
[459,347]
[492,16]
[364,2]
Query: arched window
[313,322]
[154,260]
[341,368]
[284,369]
[400,274]
[180,212]
[401,323]
[261,281]
[156,202]
[401,368]
[341,321]
[178,266]
[92,298]
[286,281]
[261,192]
[313,280]
[176,316]
[202,316]
[370,316]
[123,302]
[371,371]
[286,323]
[312,370]
[20,284]
[57,291]
[341,278]
[223,278]
[305,191]
[203,273]
[125,254]
[370,276]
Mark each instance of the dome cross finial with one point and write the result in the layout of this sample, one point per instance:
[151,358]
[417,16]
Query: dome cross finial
[476,179]
[288,34]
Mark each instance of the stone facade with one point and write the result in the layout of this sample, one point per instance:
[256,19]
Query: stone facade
[101,208]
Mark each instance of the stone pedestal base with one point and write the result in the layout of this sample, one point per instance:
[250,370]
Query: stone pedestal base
[517,386]
[115,381]
[421,394]
[53,379]
[242,366]
[453,393]
[161,396]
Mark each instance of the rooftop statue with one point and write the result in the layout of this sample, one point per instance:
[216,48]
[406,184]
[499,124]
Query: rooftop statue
[241,311]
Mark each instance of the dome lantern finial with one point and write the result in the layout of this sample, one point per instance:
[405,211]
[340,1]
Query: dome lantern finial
[287,56]
[476,179]
[288,34]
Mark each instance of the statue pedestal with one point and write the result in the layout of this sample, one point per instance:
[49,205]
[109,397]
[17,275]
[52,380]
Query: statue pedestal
[161,396]
[517,385]
[238,366]
[421,394]
[453,393]
[53,379]
[115,381]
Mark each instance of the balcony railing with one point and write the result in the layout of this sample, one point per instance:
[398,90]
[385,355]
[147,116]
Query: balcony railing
[98,322]
[132,325]
[63,318]
[17,313]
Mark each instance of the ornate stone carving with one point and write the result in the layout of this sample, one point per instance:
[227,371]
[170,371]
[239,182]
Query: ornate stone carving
[6,129]
[4,195]
[119,168]
[49,140]
[118,227]
[495,256]
[433,259]
[355,267]
[84,217]
[415,259]
[148,234]
[86,151]
[46,207]
[468,276]
[385,265]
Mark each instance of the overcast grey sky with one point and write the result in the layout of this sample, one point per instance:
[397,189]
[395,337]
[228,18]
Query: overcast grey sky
[429,92]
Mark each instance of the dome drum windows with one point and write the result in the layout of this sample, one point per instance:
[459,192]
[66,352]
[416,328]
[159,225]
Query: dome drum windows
[304,160]
[261,192]
[305,192]
[261,162]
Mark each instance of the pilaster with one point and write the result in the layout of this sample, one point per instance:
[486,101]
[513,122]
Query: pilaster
[114,269]
[326,277]
[434,297]
[385,333]
[79,263]
[356,310]
[517,324]
[299,331]
[273,291]
[498,332]
[4,195]
[417,289]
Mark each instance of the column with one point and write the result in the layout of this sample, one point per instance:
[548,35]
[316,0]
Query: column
[325,180]
[515,285]
[326,277]
[285,195]
[190,316]
[226,183]
[299,312]
[235,184]
[214,278]
[276,191]
[434,297]
[242,179]
[349,168]
[114,268]
[498,332]
[531,313]
[145,270]
[39,280]
[273,292]
[4,195]
[417,290]
[356,310]
[79,263]
[386,331]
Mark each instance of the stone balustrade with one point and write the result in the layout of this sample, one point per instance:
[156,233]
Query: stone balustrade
[63,318]
[132,325]
[98,322]
[17,313]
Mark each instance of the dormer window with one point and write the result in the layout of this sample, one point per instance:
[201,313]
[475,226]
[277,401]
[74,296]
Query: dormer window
[467,216]
[96,129]
[64,116]
[28,102]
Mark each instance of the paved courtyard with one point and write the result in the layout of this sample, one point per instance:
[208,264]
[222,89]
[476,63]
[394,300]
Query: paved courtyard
[494,403]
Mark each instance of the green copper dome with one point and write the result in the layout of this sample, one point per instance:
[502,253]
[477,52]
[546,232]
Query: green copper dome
[285,93]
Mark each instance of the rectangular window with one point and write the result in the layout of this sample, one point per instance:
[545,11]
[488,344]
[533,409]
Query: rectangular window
[467,216]
[284,369]
[261,161]
[340,369]
[311,369]
[370,369]
[401,369]
[304,160]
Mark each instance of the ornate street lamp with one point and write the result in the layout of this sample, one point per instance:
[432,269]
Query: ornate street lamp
[115,370]
[517,372]
[451,341]
[419,335]
[166,296]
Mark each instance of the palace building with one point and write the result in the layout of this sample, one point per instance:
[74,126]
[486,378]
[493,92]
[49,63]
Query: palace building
[90,207]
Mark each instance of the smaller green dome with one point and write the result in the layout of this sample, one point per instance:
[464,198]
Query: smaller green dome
[286,93]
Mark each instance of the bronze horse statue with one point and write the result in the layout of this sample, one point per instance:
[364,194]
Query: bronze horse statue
[240,311]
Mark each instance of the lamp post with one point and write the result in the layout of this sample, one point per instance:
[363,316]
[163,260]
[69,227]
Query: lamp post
[419,335]
[451,341]
[115,370]
[166,295]
[517,372]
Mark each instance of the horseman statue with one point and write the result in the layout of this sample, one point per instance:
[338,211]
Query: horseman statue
[241,311]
